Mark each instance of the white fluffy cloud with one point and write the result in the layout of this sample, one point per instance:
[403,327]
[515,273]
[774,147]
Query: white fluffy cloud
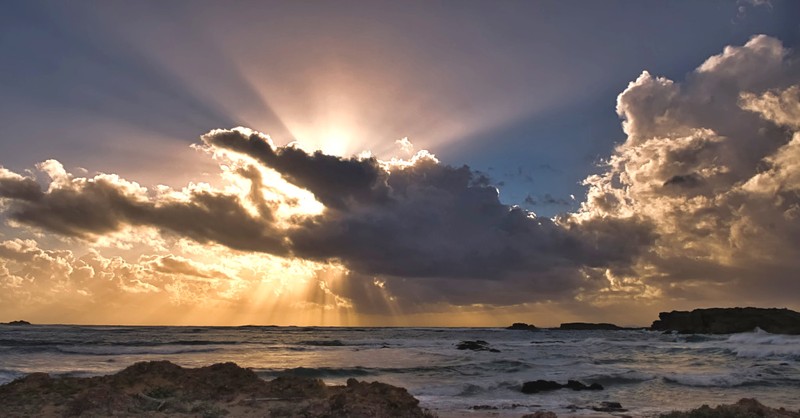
[712,163]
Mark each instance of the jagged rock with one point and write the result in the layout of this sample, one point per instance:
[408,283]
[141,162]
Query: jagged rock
[728,321]
[745,408]
[478,345]
[537,386]
[586,326]
[522,326]
[161,388]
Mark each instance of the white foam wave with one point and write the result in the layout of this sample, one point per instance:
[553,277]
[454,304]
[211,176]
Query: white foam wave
[8,376]
[761,344]
[706,380]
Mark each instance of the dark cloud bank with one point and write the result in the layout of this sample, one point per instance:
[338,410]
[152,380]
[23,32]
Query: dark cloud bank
[704,191]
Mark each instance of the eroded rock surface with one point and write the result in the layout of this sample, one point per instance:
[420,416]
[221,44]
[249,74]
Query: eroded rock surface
[161,388]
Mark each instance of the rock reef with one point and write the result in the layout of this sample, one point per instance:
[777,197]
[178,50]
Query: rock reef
[729,321]
[537,386]
[745,408]
[161,388]
[478,345]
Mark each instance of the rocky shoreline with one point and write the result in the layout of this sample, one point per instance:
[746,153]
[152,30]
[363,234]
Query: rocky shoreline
[161,388]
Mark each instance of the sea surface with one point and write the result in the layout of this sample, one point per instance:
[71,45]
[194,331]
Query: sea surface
[647,372]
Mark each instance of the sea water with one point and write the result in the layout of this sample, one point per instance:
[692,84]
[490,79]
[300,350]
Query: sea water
[647,372]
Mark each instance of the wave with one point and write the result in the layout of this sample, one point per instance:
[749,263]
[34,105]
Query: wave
[626,377]
[323,343]
[761,344]
[7,376]
[127,350]
[319,372]
[720,380]
[94,343]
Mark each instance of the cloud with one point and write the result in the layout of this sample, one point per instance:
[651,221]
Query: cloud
[711,163]
[402,220]
[86,207]
[701,202]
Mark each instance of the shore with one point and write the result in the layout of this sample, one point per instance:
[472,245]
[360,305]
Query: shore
[161,388]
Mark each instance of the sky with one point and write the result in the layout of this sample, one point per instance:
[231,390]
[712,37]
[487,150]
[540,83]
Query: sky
[420,163]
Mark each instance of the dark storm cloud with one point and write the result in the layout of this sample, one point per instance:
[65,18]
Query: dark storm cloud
[81,207]
[421,220]
[336,182]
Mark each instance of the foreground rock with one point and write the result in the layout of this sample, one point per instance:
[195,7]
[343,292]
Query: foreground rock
[745,408]
[729,321]
[521,326]
[537,386]
[478,345]
[586,326]
[161,388]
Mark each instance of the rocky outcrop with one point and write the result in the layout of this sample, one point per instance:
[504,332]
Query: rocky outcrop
[161,388]
[537,386]
[521,326]
[729,321]
[586,326]
[478,345]
[16,323]
[743,408]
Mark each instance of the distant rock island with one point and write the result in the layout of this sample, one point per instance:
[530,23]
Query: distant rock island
[16,323]
[522,326]
[729,321]
[587,326]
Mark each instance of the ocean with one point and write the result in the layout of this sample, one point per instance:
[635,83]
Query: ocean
[646,372]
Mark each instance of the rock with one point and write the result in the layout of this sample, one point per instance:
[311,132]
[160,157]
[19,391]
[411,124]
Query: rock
[537,386]
[744,408]
[606,406]
[522,326]
[541,414]
[483,408]
[586,326]
[478,345]
[16,323]
[576,385]
[162,388]
[729,321]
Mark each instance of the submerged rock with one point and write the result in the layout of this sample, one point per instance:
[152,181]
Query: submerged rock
[607,406]
[541,414]
[522,326]
[161,388]
[745,408]
[729,321]
[478,345]
[537,386]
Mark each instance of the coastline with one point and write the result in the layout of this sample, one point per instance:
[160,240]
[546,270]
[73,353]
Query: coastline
[161,388]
